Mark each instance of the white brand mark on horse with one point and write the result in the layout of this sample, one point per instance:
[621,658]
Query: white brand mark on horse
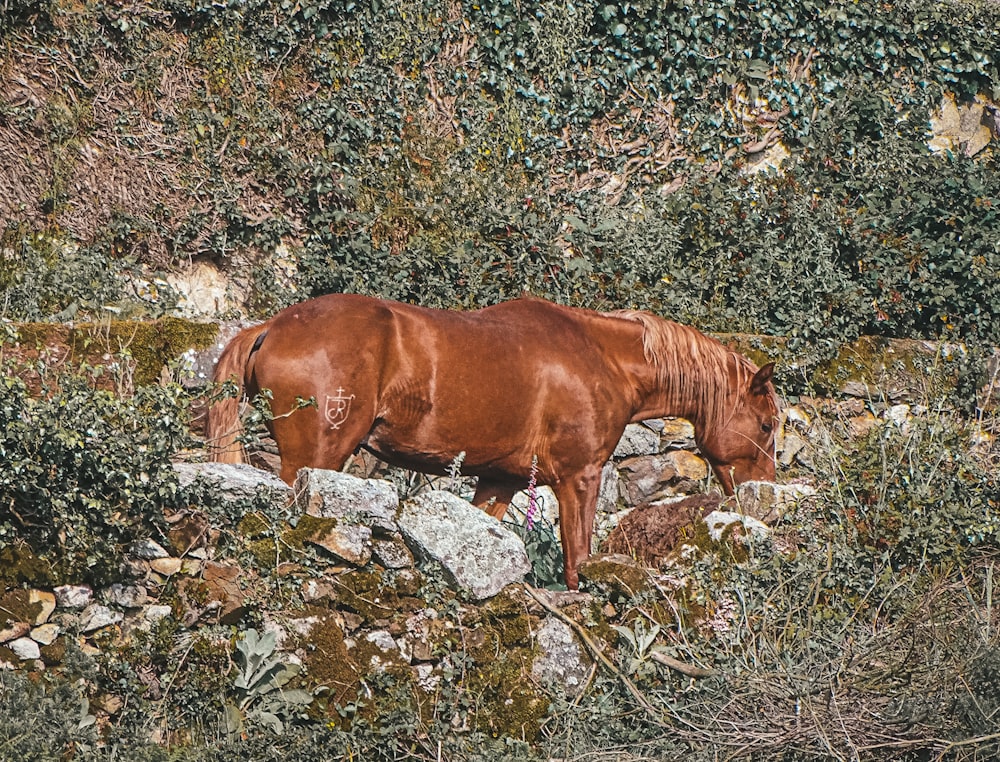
[337,408]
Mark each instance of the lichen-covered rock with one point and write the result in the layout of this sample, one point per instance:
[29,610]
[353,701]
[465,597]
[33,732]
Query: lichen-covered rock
[236,482]
[96,617]
[561,663]
[476,550]
[73,596]
[722,524]
[768,501]
[649,478]
[335,495]
[392,553]
[348,542]
[638,439]
[126,596]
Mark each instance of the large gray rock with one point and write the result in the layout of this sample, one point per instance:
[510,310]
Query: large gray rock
[334,495]
[237,482]
[475,549]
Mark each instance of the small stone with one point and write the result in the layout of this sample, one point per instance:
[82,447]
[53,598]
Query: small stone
[73,596]
[677,433]
[790,447]
[349,542]
[561,662]
[392,553]
[96,617]
[154,614]
[25,649]
[47,601]
[168,567]
[767,501]
[126,596]
[45,634]
[798,418]
[148,550]
[899,415]
[314,590]
[545,500]
[688,465]
[14,630]
[860,426]
[719,523]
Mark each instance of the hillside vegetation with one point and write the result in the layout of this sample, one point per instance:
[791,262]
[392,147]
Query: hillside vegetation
[458,153]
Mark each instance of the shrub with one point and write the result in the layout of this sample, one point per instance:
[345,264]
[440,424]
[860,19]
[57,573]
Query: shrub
[86,472]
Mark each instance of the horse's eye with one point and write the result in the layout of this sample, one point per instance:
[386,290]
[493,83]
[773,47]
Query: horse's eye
[767,428]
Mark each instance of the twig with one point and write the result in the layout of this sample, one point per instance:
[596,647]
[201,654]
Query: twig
[689,670]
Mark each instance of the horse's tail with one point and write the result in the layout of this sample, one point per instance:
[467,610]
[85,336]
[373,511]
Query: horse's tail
[222,423]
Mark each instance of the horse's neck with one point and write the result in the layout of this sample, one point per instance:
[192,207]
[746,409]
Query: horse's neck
[696,389]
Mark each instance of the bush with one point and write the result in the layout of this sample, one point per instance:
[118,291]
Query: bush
[86,472]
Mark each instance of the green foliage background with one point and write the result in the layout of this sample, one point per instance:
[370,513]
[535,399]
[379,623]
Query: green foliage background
[456,153]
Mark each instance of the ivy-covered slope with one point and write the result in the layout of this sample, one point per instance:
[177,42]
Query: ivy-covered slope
[456,153]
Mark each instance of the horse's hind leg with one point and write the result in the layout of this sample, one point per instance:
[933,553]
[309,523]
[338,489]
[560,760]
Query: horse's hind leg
[493,496]
[316,444]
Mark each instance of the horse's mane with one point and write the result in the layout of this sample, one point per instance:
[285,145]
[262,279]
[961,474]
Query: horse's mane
[690,366]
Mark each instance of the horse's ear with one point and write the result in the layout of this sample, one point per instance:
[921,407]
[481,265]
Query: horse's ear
[761,379]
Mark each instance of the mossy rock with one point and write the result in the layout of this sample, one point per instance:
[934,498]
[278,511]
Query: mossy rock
[146,346]
[508,701]
[372,594]
[900,369]
[507,613]
[18,606]
[616,577]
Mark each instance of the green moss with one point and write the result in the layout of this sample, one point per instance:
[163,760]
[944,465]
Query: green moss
[507,614]
[307,526]
[151,345]
[328,662]
[896,365]
[253,526]
[20,566]
[507,701]
[364,593]
[614,579]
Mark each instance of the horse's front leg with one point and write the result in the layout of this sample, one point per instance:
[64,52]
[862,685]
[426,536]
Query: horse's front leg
[494,496]
[577,496]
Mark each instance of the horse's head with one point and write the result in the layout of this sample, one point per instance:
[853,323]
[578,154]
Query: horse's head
[740,446]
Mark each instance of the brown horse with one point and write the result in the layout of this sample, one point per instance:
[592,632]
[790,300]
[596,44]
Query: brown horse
[520,380]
